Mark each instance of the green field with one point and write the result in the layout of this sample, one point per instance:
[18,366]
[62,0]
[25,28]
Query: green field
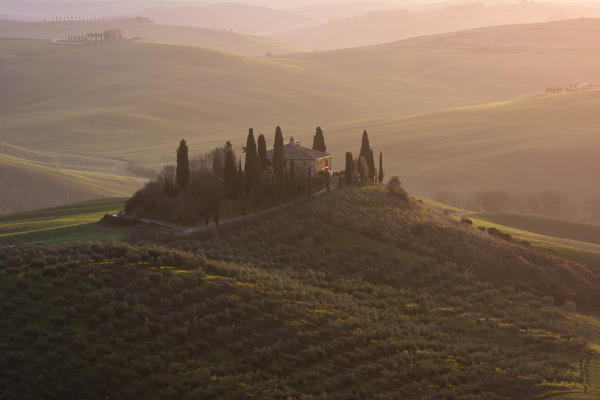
[74,222]
[185,35]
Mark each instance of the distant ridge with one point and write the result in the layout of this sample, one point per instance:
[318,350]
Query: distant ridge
[186,35]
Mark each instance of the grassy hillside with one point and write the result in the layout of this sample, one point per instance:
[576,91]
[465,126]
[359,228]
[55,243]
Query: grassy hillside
[545,226]
[385,26]
[70,223]
[518,147]
[186,35]
[318,301]
[32,186]
[239,17]
[108,100]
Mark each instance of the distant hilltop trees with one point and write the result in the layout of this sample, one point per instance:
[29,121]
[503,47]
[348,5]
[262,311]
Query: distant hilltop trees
[97,19]
[109,34]
[573,87]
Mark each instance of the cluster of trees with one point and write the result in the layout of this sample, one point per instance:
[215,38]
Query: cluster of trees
[434,312]
[95,36]
[363,169]
[95,19]
[194,190]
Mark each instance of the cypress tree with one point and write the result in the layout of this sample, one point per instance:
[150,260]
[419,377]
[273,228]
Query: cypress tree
[251,159]
[216,211]
[262,151]
[319,141]
[182,174]
[230,174]
[349,167]
[371,167]
[309,183]
[365,147]
[293,187]
[241,179]
[257,187]
[381,175]
[278,164]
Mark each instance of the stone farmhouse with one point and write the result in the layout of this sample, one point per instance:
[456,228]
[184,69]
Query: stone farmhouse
[304,158]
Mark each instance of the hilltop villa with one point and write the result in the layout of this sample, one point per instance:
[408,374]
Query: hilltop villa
[304,158]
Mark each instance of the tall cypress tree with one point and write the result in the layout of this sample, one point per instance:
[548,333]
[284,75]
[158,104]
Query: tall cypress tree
[182,174]
[309,183]
[257,187]
[349,167]
[251,159]
[262,151]
[278,164]
[241,180]
[230,174]
[365,147]
[319,141]
[371,167]
[381,175]
[293,187]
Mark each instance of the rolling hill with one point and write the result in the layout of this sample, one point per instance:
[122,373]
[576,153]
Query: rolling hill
[134,101]
[239,17]
[185,35]
[385,26]
[27,185]
[357,294]
[545,143]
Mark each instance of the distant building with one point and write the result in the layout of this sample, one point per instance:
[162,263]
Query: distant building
[113,34]
[304,158]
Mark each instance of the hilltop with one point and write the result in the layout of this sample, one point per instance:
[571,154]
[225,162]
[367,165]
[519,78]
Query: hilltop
[185,35]
[361,293]
[198,90]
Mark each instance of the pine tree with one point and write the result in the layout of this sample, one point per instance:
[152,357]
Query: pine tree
[230,175]
[251,159]
[319,141]
[349,168]
[262,151]
[182,174]
[278,164]
[381,175]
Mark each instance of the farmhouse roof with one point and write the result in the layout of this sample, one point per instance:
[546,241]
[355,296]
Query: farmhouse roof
[293,151]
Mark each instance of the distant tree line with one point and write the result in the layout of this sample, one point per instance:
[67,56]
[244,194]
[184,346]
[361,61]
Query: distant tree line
[97,19]
[91,36]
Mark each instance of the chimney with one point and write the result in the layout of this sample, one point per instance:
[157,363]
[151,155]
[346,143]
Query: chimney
[298,146]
